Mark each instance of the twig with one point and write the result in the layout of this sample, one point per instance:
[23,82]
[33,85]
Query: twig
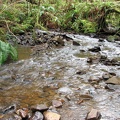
[11,31]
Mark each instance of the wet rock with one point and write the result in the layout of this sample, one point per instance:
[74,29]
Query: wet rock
[86,96]
[56,103]
[17,117]
[76,43]
[112,73]
[56,41]
[80,101]
[23,112]
[109,88]
[101,40]
[114,80]
[103,58]
[118,119]
[106,76]
[81,72]
[52,109]
[111,62]
[9,109]
[40,47]
[95,49]
[41,107]
[93,115]
[93,60]
[65,90]
[94,79]
[37,116]
[51,116]
[87,89]
[68,97]
[112,38]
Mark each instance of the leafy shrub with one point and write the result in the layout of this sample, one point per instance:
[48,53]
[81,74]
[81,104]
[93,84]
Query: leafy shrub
[6,51]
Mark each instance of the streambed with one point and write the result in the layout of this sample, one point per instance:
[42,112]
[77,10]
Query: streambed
[72,72]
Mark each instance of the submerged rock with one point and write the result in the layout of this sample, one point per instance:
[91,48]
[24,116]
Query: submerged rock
[65,90]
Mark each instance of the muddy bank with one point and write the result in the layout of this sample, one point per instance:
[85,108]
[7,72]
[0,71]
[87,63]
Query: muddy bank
[74,69]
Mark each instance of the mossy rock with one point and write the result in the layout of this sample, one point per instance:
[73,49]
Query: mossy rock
[112,38]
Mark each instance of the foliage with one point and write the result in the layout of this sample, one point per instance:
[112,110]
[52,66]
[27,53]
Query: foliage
[6,51]
[75,15]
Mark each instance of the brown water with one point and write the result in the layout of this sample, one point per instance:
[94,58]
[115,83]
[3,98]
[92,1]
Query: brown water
[38,79]
[24,52]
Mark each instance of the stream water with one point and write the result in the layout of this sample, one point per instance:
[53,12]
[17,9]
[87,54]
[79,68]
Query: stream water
[64,73]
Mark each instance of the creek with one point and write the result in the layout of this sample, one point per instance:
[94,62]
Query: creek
[71,72]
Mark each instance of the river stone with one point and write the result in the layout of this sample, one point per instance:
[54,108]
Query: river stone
[95,49]
[56,103]
[114,80]
[10,109]
[39,107]
[93,115]
[76,43]
[37,116]
[106,76]
[22,112]
[17,117]
[51,116]
[87,89]
[65,90]
[86,96]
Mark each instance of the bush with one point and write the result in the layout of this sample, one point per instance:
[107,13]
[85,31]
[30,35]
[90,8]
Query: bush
[7,51]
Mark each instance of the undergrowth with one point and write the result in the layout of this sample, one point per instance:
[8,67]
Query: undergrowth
[81,16]
[7,51]
[73,15]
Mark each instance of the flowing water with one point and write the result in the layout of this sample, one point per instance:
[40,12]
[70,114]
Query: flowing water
[52,74]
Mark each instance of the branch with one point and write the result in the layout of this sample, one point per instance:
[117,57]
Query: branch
[11,31]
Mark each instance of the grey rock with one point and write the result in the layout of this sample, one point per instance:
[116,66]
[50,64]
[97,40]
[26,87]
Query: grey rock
[37,116]
[56,103]
[39,107]
[65,90]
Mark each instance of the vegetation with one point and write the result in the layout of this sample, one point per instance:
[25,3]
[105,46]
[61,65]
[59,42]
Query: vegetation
[81,16]
[75,15]
[7,51]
